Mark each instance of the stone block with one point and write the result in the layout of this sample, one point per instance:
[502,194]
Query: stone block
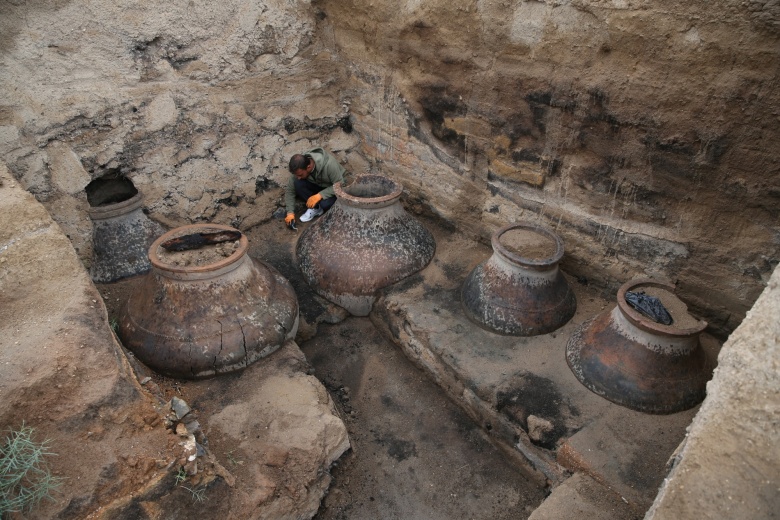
[474,127]
[582,497]
[528,173]
[161,112]
[67,172]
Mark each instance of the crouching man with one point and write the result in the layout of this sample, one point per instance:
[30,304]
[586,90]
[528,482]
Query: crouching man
[313,175]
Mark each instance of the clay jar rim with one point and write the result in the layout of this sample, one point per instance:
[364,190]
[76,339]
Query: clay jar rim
[116,209]
[368,202]
[644,323]
[534,263]
[238,254]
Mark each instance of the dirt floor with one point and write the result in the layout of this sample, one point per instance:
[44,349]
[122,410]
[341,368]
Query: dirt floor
[414,453]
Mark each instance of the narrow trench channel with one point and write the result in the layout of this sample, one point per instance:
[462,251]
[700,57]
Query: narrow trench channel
[414,454]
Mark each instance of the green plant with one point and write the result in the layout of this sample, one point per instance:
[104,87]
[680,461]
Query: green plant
[181,475]
[114,324]
[233,460]
[198,494]
[25,477]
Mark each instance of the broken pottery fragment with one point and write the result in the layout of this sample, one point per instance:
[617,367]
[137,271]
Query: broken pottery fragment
[195,321]
[519,290]
[367,241]
[638,363]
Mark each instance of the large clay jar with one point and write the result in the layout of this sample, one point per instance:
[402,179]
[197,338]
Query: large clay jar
[195,321]
[519,290]
[121,236]
[638,363]
[366,241]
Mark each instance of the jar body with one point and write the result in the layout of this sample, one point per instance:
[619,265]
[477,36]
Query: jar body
[366,241]
[517,296]
[637,363]
[121,236]
[198,322]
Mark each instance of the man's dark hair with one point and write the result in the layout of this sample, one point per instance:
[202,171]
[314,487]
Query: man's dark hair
[299,162]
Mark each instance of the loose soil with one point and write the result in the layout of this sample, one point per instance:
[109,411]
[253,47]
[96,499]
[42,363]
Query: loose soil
[204,255]
[677,309]
[528,244]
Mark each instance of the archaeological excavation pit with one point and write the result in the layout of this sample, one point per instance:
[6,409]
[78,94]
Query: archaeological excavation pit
[599,151]
[419,370]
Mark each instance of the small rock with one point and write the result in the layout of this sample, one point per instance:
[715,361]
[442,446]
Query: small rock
[191,467]
[538,428]
[182,430]
[190,448]
[179,407]
[275,456]
[193,427]
[152,419]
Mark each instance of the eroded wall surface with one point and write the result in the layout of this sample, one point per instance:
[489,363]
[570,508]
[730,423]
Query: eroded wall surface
[200,104]
[729,466]
[644,133]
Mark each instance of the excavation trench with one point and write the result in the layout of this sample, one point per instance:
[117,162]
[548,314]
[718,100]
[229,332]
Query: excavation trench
[644,135]
[445,418]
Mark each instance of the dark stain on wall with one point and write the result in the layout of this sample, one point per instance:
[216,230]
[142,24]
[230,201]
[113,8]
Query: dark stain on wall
[438,104]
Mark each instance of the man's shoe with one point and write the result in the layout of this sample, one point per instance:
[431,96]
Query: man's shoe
[311,213]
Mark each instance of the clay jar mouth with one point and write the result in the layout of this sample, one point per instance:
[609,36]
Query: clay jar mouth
[369,191]
[195,272]
[116,209]
[646,324]
[529,246]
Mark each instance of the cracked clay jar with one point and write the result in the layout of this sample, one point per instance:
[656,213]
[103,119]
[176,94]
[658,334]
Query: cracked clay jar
[367,241]
[519,290]
[638,363]
[219,316]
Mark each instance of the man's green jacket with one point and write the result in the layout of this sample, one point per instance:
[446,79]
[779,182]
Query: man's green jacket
[327,172]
